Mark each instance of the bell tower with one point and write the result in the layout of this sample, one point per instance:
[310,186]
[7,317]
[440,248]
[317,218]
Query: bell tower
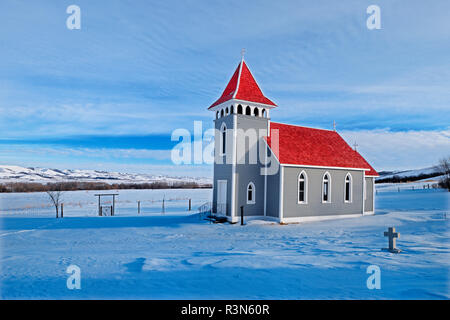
[241,114]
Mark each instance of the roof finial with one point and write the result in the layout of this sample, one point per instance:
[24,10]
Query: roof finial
[242,53]
[334,125]
[355,145]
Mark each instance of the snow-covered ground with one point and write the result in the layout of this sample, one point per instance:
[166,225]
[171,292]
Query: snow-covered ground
[179,256]
[85,203]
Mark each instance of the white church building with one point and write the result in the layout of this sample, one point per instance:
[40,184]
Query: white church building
[300,174]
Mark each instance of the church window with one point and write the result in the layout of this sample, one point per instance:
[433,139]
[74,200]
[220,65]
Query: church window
[348,188]
[326,188]
[223,132]
[248,111]
[251,193]
[302,187]
[239,109]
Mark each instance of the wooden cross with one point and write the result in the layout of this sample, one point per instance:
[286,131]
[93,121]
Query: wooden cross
[392,239]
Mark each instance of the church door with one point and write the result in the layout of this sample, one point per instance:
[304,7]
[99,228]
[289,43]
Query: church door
[222,197]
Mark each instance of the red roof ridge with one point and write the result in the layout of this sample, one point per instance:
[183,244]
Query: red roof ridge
[238,79]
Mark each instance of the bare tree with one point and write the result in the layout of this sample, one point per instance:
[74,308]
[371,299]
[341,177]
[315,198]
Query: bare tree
[56,197]
[444,167]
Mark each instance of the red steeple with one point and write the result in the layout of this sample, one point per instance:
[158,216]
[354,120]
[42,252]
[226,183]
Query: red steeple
[242,86]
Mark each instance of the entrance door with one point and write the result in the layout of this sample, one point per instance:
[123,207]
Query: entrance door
[222,197]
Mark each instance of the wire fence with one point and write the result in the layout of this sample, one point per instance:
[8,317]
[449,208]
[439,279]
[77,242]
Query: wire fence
[406,187]
[121,207]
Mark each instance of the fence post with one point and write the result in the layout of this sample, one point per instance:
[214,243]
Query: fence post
[242,215]
[100,211]
[62,210]
[112,211]
[189,204]
[139,207]
[163,208]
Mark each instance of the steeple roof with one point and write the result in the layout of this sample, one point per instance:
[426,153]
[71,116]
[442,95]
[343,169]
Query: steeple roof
[242,86]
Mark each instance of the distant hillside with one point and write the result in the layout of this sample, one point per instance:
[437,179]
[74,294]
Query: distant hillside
[408,175]
[16,174]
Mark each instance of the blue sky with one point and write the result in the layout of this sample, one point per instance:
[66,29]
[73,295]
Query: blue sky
[109,95]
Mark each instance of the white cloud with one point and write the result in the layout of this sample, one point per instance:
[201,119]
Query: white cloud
[106,153]
[387,150]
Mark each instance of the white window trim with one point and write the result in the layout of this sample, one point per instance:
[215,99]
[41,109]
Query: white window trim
[350,189]
[329,187]
[253,201]
[306,187]
[222,127]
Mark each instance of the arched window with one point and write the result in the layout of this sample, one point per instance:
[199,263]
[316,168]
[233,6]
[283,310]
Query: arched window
[221,113]
[223,132]
[326,188]
[251,193]
[263,113]
[217,114]
[226,110]
[231,110]
[302,187]
[348,188]
[239,109]
[256,112]
[248,111]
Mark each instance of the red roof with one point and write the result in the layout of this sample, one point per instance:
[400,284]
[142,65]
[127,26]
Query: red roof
[243,86]
[315,147]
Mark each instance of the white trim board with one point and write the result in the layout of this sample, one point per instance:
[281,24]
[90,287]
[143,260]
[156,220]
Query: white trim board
[281,195]
[309,166]
[319,218]
[233,168]
[242,102]
[321,167]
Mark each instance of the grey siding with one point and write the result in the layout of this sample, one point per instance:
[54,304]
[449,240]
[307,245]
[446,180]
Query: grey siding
[314,205]
[368,204]
[273,195]
[246,172]
[222,170]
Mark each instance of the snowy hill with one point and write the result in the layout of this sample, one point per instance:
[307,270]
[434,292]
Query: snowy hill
[431,171]
[43,175]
